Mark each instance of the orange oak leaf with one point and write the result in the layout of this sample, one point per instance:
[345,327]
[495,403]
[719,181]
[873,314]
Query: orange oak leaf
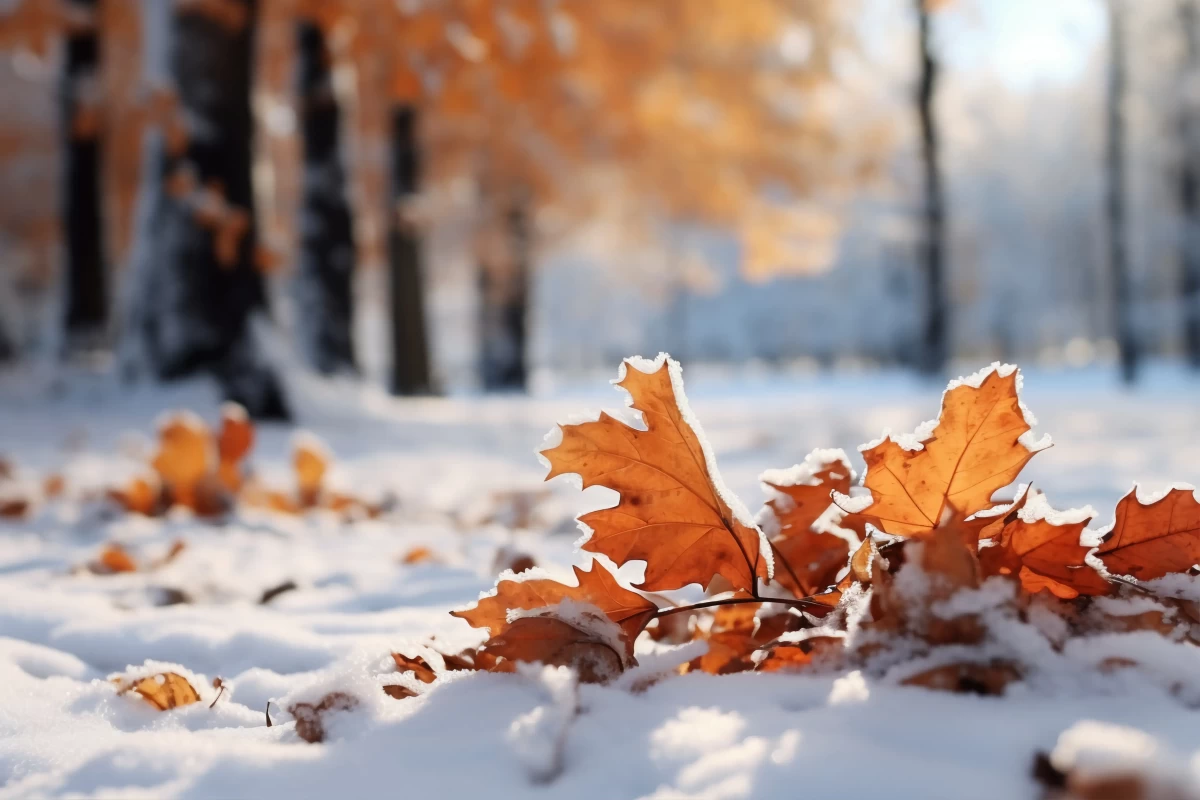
[1044,554]
[973,451]
[310,459]
[1151,540]
[627,609]
[673,511]
[184,457]
[164,691]
[556,642]
[416,665]
[807,561]
[233,443]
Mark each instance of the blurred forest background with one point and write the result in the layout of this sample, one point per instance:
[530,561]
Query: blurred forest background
[448,195]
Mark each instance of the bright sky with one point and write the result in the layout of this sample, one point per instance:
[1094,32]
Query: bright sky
[1024,42]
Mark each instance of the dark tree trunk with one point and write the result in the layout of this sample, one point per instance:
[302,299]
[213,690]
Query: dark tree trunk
[1115,206]
[324,280]
[204,287]
[504,301]
[1189,188]
[934,346]
[86,302]
[410,341]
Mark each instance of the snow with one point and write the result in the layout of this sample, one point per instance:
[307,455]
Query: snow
[63,633]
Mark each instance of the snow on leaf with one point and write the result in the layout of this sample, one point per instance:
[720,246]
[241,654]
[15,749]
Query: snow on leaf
[579,642]
[673,512]
[1150,540]
[164,691]
[627,609]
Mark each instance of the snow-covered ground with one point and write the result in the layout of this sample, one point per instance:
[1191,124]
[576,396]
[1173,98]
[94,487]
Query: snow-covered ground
[468,486]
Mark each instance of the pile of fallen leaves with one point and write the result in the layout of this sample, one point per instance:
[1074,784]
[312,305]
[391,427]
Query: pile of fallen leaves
[919,565]
[918,573]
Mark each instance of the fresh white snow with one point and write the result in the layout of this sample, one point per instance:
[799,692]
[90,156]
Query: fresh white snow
[467,487]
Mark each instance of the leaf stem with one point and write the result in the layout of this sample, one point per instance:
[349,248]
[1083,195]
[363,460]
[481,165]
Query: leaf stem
[734,601]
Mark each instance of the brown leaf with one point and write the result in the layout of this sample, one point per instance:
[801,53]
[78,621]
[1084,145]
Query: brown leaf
[310,459]
[310,722]
[1150,541]
[184,457]
[418,555]
[967,678]
[233,444]
[140,496]
[808,561]
[53,485]
[629,610]
[13,507]
[113,559]
[555,642]
[164,691]
[670,513]
[398,692]
[971,453]
[416,665]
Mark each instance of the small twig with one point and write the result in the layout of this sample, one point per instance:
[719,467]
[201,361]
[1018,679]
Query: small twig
[735,601]
[218,684]
[268,713]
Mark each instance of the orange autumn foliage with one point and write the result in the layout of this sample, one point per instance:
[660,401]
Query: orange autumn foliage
[972,452]
[164,691]
[1149,541]
[671,512]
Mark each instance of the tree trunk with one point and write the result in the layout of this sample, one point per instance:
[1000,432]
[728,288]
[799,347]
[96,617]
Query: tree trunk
[504,300]
[1115,207]
[203,284]
[934,347]
[86,302]
[1189,186]
[410,341]
[327,256]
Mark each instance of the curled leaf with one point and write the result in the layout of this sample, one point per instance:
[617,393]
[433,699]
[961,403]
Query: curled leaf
[1156,539]
[164,691]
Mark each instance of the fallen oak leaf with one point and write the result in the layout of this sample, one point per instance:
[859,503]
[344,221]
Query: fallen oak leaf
[967,678]
[310,717]
[807,560]
[1042,548]
[113,559]
[184,457]
[417,665]
[673,513]
[627,609]
[234,442]
[140,496]
[589,642]
[974,450]
[1150,540]
[164,691]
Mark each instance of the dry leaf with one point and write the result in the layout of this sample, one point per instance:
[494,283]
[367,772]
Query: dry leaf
[1150,541]
[164,691]
[971,453]
[552,641]
[140,496]
[113,559]
[184,458]
[233,444]
[310,722]
[418,555]
[416,665]
[808,561]
[670,513]
[310,459]
[967,678]
[628,610]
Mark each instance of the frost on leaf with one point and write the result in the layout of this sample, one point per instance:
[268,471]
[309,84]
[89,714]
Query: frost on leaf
[1043,555]
[807,560]
[673,514]
[1152,540]
[629,610]
[973,451]
[311,717]
[164,691]
[577,638]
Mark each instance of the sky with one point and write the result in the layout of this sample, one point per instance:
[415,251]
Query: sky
[1026,43]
